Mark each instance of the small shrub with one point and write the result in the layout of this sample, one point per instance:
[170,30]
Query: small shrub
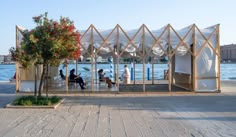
[55,99]
[27,103]
[32,100]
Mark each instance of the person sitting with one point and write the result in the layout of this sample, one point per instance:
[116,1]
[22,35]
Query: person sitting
[106,79]
[62,75]
[76,78]
[14,77]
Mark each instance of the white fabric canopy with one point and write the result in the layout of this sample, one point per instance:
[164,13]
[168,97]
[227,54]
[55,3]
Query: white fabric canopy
[105,44]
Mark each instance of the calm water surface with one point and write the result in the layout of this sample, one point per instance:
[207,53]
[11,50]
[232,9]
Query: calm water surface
[228,71]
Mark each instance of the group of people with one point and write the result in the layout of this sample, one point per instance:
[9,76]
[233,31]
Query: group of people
[78,79]
[125,77]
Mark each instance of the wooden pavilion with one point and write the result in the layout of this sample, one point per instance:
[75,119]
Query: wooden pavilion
[193,55]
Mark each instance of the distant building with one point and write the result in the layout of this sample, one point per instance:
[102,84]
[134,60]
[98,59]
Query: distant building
[7,59]
[1,59]
[228,53]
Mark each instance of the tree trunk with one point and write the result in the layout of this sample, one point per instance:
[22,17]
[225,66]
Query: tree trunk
[41,80]
[35,80]
[47,81]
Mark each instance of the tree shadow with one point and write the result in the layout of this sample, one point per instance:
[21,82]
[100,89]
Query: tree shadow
[201,118]
[167,103]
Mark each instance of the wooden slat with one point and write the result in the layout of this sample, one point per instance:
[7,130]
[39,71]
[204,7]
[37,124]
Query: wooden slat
[219,56]
[194,59]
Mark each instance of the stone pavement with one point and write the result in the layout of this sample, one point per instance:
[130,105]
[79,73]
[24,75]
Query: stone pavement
[124,115]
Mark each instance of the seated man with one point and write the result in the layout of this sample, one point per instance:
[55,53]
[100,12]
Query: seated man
[103,78]
[76,78]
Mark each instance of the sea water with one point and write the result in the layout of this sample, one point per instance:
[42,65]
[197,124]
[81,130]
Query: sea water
[227,71]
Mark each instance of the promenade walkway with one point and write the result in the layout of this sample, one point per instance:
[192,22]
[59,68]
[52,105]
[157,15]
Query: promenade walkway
[125,115]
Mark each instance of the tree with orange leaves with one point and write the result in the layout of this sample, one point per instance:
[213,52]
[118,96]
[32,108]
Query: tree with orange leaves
[47,44]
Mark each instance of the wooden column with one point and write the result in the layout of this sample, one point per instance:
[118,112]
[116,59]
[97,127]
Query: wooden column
[218,51]
[92,59]
[169,59]
[118,58]
[76,66]
[144,58]
[152,61]
[194,58]
[17,64]
[67,77]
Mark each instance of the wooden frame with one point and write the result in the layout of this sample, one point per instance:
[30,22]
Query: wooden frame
[146,52]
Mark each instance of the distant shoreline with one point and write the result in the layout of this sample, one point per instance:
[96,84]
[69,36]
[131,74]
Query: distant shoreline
[119,63]
[7,63]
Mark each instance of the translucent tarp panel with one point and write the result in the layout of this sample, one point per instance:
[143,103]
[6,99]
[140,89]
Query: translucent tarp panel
[84,49]
[109,47]
[129,49]
[158,33]
[105,50]
[211,36]
[143,40]
[203,35]
[206,63]
[19,38]
[183,52]
[86,41]
[183,64]
[106,33]
[149,40]
[206,85]
[199,40]
[160,46]
[136,45]
[185,35]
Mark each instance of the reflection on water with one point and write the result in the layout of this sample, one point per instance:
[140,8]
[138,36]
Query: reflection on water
[228,71]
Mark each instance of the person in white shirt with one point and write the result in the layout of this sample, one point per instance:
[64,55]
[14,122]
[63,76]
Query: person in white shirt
[126,75]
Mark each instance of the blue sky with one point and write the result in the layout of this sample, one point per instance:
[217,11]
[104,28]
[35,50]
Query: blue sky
[130,14]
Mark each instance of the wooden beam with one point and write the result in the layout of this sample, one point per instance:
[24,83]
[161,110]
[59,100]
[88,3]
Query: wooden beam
[219,58]
[17,64]
[206,42]
[130,41]
[144,59]
[194,75]
[118,58]
[181,40]
[92,59]
[157,42]
[105,40]
[169,60]
[89,28]
[67,77]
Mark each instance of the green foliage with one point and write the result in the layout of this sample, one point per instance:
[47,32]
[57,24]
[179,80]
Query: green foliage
[48,43]
[32,100]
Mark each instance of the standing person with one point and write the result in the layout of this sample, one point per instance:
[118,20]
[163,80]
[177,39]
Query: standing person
[77,78]
[126,75]
[166,74]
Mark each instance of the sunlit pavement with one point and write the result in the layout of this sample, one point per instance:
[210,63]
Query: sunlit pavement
[123,115]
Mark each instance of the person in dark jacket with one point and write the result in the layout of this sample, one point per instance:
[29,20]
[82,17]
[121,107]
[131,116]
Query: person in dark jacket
[62,75]
[76,78]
